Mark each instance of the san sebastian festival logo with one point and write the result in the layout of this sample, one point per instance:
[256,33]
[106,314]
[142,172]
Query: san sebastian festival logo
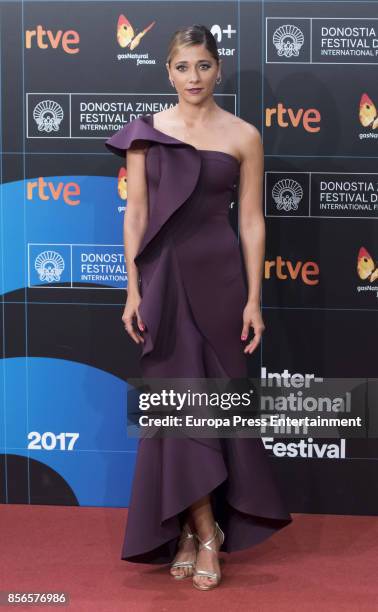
[287,194]
[48,116]
[49,266]
[288,40]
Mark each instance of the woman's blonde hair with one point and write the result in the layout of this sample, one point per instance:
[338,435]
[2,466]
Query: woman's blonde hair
[193,35]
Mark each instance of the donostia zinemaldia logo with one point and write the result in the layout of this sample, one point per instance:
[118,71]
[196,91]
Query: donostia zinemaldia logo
[49,266]
[287,194]
[48,115]
[288,40]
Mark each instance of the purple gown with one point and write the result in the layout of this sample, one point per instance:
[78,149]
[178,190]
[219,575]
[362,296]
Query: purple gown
[193,293]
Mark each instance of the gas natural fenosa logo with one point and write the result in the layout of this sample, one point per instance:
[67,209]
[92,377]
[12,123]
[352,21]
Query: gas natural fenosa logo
[126,35]
[367,269]
[127,38]
[288,40]
[122,183]
[368,114]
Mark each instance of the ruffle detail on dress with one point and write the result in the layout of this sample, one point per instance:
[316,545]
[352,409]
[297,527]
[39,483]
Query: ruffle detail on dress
[153,311]
[247,505]
[179,160]
[173,473]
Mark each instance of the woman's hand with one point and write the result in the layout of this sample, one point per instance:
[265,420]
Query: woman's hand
[252,318]
[132,310]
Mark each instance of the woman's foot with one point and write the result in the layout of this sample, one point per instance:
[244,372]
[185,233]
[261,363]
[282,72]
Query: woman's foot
[207,573]
[185,559]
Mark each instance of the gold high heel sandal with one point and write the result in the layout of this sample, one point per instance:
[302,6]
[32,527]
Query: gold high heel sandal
[213,575]
[187,535]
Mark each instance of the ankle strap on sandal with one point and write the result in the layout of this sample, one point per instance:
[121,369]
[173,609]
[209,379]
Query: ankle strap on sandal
[206,544]
[186,535]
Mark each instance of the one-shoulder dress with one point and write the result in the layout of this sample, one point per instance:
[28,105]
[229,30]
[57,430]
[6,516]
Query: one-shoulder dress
[193,292]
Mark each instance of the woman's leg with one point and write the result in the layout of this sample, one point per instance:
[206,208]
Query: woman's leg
[202,515]
[187,547]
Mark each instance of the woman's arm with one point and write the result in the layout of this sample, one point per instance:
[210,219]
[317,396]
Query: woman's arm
[134,227]
[252,230]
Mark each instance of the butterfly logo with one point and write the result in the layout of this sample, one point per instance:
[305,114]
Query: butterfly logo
[366,267]
[125,33]
[368,113]
[122,183]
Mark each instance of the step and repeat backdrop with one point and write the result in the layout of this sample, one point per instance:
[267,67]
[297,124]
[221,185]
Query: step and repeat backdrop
[72,73]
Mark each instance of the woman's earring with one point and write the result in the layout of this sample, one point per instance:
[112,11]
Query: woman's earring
[172,83]
[218,80]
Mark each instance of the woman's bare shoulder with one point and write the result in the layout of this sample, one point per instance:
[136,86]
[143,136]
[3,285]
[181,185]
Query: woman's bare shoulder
[245,134]
[248,130]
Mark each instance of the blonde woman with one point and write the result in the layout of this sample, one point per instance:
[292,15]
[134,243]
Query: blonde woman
[193,300]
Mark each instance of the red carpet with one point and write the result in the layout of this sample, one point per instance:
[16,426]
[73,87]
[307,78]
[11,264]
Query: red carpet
[318,563]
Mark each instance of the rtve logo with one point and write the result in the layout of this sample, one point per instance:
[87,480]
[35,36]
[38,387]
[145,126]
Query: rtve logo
[46,191]
[46,39]
[287,117]
[284,270]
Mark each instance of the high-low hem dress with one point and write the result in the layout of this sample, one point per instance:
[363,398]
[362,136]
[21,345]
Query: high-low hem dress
[193,292]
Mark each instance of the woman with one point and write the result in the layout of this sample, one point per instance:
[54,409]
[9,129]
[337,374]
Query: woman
[193,311]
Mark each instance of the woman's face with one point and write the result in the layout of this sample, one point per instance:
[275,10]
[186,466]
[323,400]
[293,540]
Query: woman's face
[194,71]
